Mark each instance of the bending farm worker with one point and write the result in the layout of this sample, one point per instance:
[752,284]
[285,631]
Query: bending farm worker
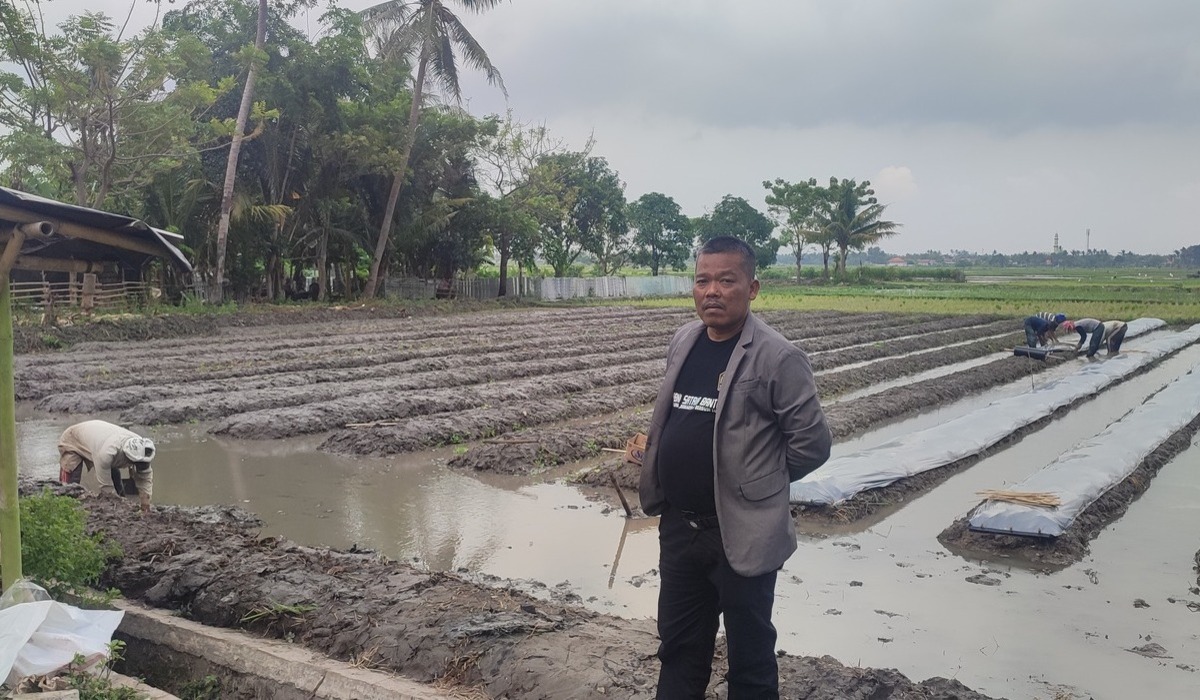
[111,451]
[1114,334]
[1084,326]
[1039,331]
[736,420]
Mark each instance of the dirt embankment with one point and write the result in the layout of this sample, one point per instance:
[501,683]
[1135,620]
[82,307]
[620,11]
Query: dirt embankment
[505,639]
[143,327]
[1072,545]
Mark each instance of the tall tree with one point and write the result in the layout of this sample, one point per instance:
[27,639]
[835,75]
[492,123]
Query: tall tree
[429,32]
[734,216]
[853,217]
[508,153]
[584,203]
[795,207]
[662,234]
[235,148]
[90,114]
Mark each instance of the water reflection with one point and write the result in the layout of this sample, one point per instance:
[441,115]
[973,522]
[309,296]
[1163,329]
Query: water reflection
[411,507]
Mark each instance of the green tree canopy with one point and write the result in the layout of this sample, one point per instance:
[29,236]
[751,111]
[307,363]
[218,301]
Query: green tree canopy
[853,218]
[734,216]
[89,114]
[662,234]
[584,204]
[795,207]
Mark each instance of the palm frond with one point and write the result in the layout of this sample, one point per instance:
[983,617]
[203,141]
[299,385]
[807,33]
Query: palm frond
[473,53]
[394,12]
[479,5]
[445,67]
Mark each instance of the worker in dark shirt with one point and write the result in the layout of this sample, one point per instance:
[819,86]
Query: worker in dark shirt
[1039,331]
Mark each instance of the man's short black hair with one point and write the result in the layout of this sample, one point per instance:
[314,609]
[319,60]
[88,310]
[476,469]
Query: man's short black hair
[730,244]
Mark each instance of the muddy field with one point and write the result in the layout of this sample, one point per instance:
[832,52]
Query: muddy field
[435,627]
[523,396]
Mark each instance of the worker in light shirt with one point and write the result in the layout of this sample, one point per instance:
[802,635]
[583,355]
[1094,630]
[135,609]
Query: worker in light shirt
[1114,334]
[112,452]
[1083,327]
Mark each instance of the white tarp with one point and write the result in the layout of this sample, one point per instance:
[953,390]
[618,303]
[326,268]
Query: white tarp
[1094,466]
[41,637]
[970,434]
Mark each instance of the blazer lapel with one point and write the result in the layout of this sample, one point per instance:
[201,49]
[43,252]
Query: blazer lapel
[735,360]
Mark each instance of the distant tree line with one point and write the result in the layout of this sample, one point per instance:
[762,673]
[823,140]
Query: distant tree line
[347,156]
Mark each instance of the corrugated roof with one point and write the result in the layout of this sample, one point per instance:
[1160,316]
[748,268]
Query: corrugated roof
[74,248]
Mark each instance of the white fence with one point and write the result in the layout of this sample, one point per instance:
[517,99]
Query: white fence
[547,289]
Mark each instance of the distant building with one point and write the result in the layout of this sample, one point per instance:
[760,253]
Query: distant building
[897,262]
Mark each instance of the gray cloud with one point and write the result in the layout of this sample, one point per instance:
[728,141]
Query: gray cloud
[1001,65]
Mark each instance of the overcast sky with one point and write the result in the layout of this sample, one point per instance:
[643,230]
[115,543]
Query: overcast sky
[982,124]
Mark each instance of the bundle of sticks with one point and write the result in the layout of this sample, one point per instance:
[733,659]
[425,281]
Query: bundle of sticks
[1028,498]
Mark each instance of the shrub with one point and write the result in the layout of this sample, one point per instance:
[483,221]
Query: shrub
[56,550]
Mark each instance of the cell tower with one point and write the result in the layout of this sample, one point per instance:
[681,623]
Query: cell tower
[1088,241]
[1057,247]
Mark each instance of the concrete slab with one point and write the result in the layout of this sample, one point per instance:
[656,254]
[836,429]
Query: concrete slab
[290,669]
[147,692]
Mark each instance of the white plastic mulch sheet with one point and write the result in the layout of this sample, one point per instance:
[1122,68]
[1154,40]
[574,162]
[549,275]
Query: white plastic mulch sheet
[912,454]
[41,637]
[1094,466]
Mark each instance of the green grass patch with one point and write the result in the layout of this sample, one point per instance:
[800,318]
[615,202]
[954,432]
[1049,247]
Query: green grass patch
[1104,294]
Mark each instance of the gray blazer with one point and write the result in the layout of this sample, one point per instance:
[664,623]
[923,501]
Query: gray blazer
[770,431]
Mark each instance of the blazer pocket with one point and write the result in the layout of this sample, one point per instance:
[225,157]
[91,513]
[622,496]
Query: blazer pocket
[764,487]
[746,384]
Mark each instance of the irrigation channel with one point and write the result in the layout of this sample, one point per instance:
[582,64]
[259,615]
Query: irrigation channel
[473,444]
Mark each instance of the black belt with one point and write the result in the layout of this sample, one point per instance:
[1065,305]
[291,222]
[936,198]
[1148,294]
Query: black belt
[699,522]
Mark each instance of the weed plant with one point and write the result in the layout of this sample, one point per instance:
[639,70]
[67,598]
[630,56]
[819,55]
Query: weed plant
[56,549]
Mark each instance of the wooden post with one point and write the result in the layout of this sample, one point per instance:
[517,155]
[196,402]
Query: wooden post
[89,291]
[621,495]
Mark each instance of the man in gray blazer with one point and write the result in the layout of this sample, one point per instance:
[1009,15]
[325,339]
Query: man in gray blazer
[736,420]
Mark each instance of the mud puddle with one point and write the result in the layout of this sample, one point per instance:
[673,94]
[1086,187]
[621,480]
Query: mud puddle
[889,596]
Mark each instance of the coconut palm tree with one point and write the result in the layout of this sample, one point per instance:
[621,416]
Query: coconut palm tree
[427,32]
[853,218]
[235,148]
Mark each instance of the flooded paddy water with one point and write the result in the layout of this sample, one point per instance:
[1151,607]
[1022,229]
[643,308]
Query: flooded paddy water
[881,592]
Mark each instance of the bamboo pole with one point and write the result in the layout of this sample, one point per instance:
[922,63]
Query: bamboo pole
[10,509]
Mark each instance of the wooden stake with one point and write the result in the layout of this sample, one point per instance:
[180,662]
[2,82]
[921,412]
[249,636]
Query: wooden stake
[621,495]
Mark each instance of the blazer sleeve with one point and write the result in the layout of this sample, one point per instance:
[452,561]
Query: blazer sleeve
[799,415]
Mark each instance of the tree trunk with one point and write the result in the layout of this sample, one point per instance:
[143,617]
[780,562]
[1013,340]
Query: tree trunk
[235,148]
[841,268]
[825,259]
[414,118]
[504,246]
[323,266]
[799,248]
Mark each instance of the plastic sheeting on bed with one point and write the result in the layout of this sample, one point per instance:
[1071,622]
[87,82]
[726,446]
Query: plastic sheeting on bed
[908,455]
[1094,466]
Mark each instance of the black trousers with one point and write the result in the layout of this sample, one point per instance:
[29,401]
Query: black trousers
[1114,340]
[698,586]
[1097,339]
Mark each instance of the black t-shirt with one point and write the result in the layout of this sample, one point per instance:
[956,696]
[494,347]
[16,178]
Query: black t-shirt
[685,449]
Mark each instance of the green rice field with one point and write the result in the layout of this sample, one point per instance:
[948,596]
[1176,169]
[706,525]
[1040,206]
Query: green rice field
[1106,294]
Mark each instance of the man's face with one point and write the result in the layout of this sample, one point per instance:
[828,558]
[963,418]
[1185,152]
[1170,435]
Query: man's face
[723,292]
